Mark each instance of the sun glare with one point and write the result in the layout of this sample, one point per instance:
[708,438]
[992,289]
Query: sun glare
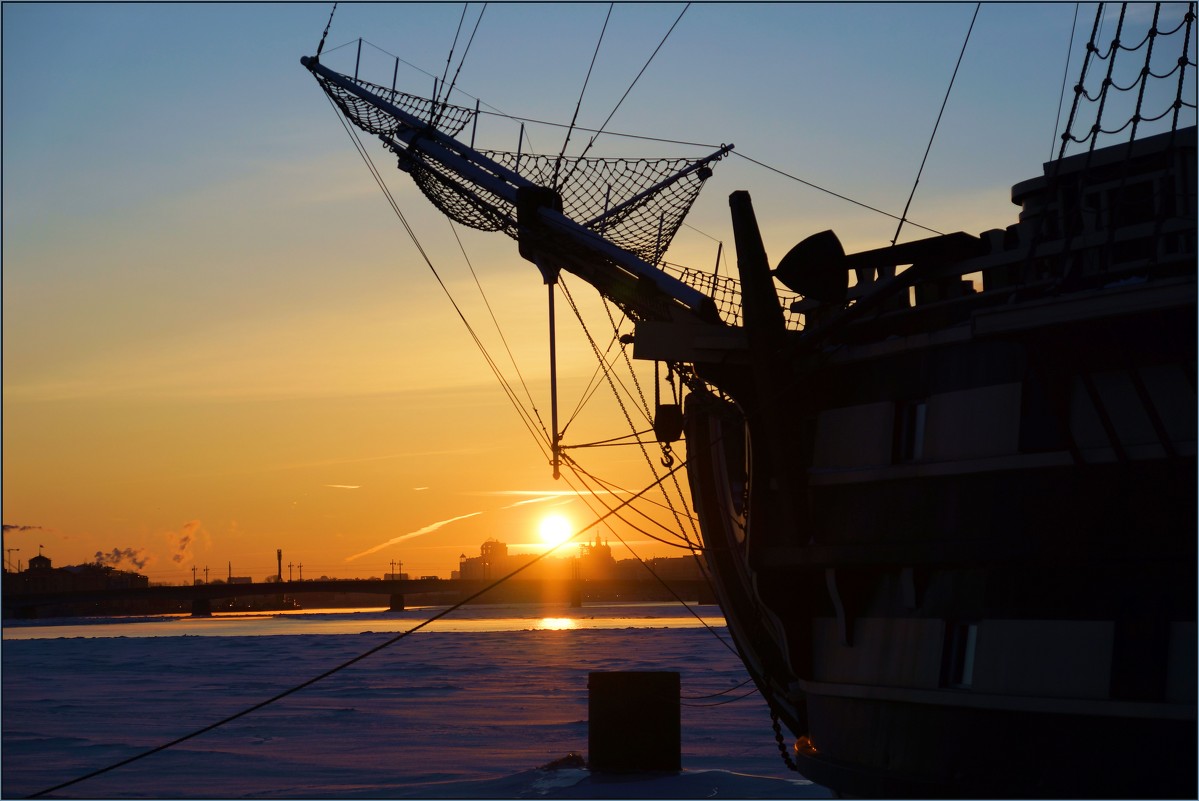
[554,529]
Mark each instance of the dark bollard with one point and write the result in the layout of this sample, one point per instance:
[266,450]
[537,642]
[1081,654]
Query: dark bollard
[397,602]
[633,722]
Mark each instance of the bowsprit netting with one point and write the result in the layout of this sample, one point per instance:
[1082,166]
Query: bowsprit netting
[608,195]
[447,118]
[636,204]
[632,203]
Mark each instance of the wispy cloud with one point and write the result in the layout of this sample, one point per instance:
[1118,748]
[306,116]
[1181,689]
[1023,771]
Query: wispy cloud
[420,531]
[344,486]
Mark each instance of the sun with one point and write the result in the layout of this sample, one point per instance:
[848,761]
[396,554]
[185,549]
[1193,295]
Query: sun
[554,529]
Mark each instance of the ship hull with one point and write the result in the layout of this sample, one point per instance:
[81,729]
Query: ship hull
[1006,613]
[1081,682]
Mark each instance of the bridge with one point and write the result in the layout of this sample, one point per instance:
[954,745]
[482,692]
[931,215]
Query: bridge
[201,596]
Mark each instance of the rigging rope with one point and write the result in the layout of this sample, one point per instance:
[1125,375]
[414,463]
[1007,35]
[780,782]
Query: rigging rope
[579,104]
[608,488]
[936,125]
[321,46]
[412,104]
[645,66]
[450,56]
[1065,72]
[525,417]
[520,376]
[834,194]
[508,391]
[449,91]
[623,409]
[1101,95]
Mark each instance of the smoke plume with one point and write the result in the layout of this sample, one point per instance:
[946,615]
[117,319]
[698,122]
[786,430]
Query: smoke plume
[184,539]
[136,558]
[10,527]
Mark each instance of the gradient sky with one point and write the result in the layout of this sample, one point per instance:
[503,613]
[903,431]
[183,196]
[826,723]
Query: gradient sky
[219,341]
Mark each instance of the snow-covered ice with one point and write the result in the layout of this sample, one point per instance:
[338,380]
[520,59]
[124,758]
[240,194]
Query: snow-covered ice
[442,714]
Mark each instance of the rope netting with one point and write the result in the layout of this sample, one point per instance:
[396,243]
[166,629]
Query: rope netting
[448,119]
[608,195]
[1149,82]
[725,292]
[644,225]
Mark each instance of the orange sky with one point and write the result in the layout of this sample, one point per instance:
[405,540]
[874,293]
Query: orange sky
[219,341]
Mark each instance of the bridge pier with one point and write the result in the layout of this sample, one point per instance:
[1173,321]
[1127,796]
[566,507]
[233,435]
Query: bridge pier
[201,607]
[576,594]
[397,602]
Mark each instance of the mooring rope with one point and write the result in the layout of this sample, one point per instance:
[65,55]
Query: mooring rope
[353,660]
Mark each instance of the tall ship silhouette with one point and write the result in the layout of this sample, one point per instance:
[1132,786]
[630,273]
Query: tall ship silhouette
[946,488]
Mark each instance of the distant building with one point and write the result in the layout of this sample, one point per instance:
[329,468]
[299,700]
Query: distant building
[595,561]
[43,577]
[492,562]
[664,567]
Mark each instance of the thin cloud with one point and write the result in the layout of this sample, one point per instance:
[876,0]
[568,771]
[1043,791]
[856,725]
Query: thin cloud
[344,486]
[426,530]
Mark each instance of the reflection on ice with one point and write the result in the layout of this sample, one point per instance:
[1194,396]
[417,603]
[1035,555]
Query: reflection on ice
[473,618]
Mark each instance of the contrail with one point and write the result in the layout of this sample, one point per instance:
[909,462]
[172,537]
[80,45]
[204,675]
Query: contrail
[548,494]
[427,529]
[531,500]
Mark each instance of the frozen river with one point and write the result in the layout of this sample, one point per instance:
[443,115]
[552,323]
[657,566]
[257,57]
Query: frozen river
[471,707]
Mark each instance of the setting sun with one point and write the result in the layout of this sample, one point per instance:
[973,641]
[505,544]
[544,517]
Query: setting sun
[554,529]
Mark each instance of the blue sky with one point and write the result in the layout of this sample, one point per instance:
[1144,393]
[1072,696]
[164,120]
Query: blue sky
[210,313]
